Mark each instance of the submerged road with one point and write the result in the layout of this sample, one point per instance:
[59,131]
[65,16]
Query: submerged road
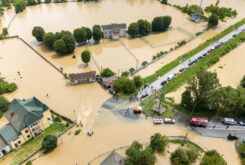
[157,84]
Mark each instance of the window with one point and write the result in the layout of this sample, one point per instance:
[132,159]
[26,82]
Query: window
[19,142]
[26,131]
[28,136]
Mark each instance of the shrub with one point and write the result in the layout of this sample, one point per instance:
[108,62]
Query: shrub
[6,87]
[243,82]
[67,124]
[38,33]
[4,104]
[19,5]
[107,72]
[183,42]
[5,32]
[124,85]
[58,119]
[131,70]
[77,132]
[49,143]
[213,20]
[85,56]
[158,142]
[212,158]
[138,81]
[184,156]
[125,73]
[29,162]
[48,1]
[144,63]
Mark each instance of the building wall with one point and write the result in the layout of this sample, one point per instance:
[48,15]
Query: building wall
[122,32]
[106,33]
[20,140]
[26,133]
[6,149]
[47,119]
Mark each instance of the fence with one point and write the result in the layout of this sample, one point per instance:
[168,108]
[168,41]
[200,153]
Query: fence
[28,157]
[10,37]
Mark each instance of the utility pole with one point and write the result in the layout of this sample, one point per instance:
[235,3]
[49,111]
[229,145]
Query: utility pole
[160,99]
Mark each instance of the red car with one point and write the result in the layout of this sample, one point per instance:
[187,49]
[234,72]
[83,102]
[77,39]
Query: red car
[181,69]
[199,121]
[210,50]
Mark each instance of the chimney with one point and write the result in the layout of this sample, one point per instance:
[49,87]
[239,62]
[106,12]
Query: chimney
[11,114]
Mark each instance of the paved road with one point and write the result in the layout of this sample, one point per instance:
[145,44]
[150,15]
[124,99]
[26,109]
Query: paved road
[157,84]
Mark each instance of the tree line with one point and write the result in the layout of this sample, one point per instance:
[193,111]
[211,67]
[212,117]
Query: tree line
[143,27]
[204,94]
[64,42]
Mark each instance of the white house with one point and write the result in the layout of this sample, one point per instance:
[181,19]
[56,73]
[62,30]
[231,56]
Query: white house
[114,31]
[4,148]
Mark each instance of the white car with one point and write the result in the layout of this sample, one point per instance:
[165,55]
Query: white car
[169,120]
[187,66]
[170,77]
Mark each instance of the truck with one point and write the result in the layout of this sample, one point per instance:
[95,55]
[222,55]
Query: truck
[199,121]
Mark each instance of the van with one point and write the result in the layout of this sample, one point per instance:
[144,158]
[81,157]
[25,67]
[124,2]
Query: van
[229,121]
[170,77]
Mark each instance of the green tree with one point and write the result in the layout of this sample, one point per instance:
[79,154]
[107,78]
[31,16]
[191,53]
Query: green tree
[186,100]
[125,73]
[161,23]
[212,158]
[48,1]
[5,32]
[158,142]
[69,42]
[6,3]
[107,72]
[6,87]
[89,33]
[144,27]
[164,1]
[243,82]
[85,56]
[19,5]
[241,151]
[49,142]
[31,2]
[60,46]
[213,20]
[166,22]
[138,81]
[125,85]
[97,33]
[38,33]
[203,90]
[184,156]
[133,29]
[80,35]
[4,104]
[48,40]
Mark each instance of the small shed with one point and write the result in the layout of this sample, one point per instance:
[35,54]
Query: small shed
[86,77]
[107,81]
[113,159]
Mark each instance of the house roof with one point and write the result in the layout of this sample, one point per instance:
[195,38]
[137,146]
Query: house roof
[85,75]
[22,113]
[8,133]
[114,26]
[2,143]
[109,79]
[113,159]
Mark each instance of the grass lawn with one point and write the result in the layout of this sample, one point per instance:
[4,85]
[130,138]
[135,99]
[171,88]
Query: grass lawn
[186,142]
[33,144]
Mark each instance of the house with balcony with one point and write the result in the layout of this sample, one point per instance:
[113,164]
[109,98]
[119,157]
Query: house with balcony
[26,119]
[114,31]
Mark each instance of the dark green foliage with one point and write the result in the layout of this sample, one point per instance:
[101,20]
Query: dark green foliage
[241,151]
[131,70]
[145,62]
[49,143]
[158,142]
[29,162]
[144,27]
[58,119]
[97,33]
[125,73]
[6,3]
[183,42]
[220,12]
[48,1]
[138,156]
[186,100]
[80,35]
[243,82]
[38,33]
[69,42]
[77,132]
[107,72]
[60,46]
[124,85]
[89,33]
[48,40]
[31,2]
[138,81]
[67,124]
[1,12]
[213,20]
[184,156]
[161,23]
[85,56]
[5,32]
[192,9]
[6,87]
[133,29]
[164,2]
[19,5]
[212,158]
[4,104]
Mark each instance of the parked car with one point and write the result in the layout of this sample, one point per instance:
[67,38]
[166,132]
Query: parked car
[210,50]
[190,63]
[194,61]
[232,136]
[112,91]
[169,120]
[181,69]
[170,77]
[187,66]
[199,57]
[234,35]
[204,54]
[242,123]
[199,121]
[163,82]
[138,110]
[176,73]
[157,121]
[217,46]
[144,95]
[229,121]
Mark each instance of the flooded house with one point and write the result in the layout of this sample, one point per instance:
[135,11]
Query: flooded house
[108,81]
[114,31]
[26,119]
[79,78]
[113,159]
